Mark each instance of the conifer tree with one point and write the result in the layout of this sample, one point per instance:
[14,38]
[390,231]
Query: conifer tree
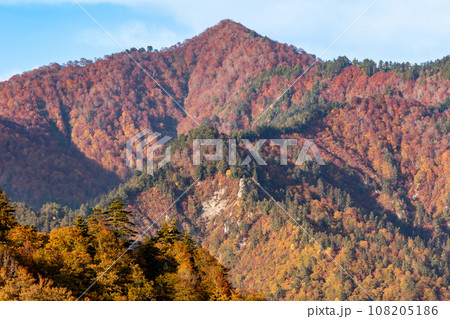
[7,219]
[189,242]
[169,233]
[118,220]
[80,223]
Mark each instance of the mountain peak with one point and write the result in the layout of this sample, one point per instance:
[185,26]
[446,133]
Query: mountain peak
[228,26]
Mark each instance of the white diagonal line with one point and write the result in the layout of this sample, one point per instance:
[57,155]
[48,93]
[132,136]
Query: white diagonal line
[133,59]
[315,241]
[136,240]
[314,63]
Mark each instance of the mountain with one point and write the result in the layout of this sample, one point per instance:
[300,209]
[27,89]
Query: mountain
[379,206]
[95,107]
[228,73]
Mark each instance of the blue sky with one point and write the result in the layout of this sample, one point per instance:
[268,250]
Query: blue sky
[39,32]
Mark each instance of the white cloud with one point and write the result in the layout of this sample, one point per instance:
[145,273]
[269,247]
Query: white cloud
[130,34]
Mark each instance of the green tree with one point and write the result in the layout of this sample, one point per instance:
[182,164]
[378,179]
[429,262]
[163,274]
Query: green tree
[336,66]
[116,218]
[198,172]
[222,167]
[368,66]
[81,224]
[168,233]
[7,219]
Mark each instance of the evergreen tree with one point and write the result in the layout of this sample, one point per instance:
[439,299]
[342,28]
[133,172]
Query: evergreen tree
[189,242]
[222,167]
[116,218]
[7,219]
[198,172]
[168,234]
[348,201]
[321,189]
[80,223]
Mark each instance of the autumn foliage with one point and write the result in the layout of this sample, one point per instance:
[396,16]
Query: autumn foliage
[379,207]
[93,260]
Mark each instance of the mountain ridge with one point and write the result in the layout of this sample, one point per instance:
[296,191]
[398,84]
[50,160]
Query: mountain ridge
[228,74]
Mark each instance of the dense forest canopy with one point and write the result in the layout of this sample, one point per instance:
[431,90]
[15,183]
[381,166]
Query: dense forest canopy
[74,262]
[380,205]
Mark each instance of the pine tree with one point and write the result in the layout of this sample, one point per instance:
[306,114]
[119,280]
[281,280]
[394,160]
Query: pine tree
[348,202]
[7,218]
[189,242]
[222,167]
[198,172]
[118,219]
[80,223]
[321,189]
[168,234]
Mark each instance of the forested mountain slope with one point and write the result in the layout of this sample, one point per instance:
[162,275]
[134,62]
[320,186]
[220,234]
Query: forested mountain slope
[379,207]
[228,75]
